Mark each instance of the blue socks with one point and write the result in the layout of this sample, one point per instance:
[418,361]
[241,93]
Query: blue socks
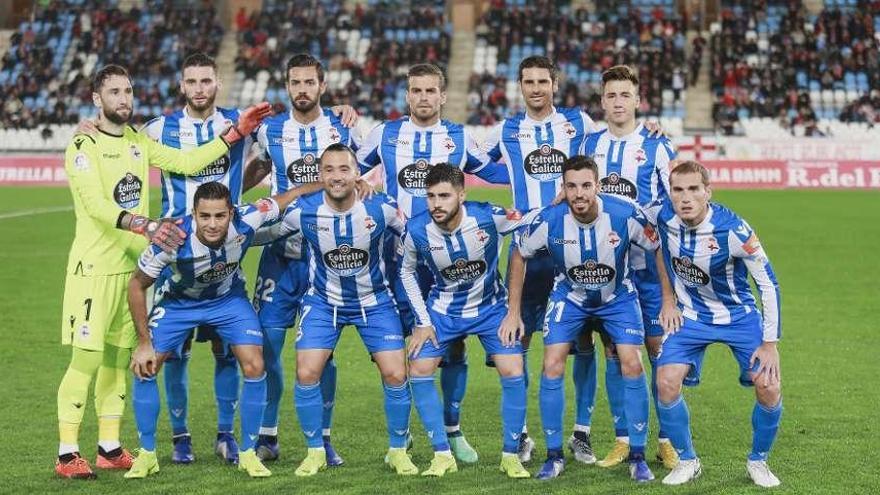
[146,411]
[397,406]
[309,408]
[584,376]
[614,386]
[328,393]
[635,403]
[513,411]
[676,421]
[765,424]
[551,399]
[176,392]
[427,401]
[453,381]
[253,402]
[273,344]
[226,380]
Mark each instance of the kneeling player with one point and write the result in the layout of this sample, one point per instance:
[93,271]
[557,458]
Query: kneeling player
[205,287]
[348,286]
[711,250]
[589,239]
[460,242]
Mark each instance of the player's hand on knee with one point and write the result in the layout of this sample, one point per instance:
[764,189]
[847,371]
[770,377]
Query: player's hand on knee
[143,361]
[511,330]
[419,336]
[347,114]
[365,190]
[767,357]
[88,127]
[670,318]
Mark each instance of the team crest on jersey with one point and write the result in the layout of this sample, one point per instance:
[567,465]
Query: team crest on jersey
[690,274]
[568,129]
[303,170]
[84,331]
[545,163]
[334,135]
[239,239]
[215,171]
[135,152]
[449,144]
[369,223]
[464,270]
[591,275]
[219,271]
[619,186]
[712,245]
[81,162]
[613,238]
[127,192]
[482,236]
[641,155]
[412,177]
[346,261]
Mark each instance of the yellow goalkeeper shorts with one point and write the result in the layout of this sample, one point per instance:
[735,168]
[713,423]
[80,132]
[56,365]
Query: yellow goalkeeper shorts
[96,312]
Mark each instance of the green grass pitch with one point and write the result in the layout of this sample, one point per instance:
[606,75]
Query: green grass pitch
[823,245]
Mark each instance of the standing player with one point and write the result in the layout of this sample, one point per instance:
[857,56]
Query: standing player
[634,165]
[107,176]
[205,286]
[460,242]
[407,148]
[347,286]
[291,144]
[711,252]
[589,242]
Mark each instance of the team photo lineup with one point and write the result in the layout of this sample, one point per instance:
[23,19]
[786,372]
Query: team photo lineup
[611,239]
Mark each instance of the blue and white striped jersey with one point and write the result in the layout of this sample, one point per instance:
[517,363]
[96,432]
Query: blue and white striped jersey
[591,260]
[535,150]
[201,272]
[407,152]
[294,149]
[464,262]
[181,131]
[709,265]
[635,166]
[346,266]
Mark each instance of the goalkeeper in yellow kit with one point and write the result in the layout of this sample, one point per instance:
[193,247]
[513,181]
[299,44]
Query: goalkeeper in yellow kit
[109,181]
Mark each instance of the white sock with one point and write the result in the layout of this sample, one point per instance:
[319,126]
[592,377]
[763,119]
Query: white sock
[443,452]
[585,429]
[662,440]
[453,429]
[67,448]
[271,432]
[109,445]
[623,439]
[325,432]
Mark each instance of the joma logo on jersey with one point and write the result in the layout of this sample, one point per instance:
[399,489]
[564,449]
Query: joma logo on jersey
[398,142]
[412,177]
[219,271]
[346,260]
[183,134]
[521,135]
[591,275]
[463,270]
[689,273]
[557,240]
[617,185]
[303,170]
[545,163]
[127,192]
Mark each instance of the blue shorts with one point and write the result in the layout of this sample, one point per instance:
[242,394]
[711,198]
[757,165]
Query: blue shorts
[688,345]
[485,326]
[539,279]
[202,333]
[647,283]
[281,284]
[425,277]
[232,316]
[321,325]
[621,319]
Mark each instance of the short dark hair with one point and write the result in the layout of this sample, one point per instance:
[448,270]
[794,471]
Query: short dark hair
[339,147]
[580,162]
[107,72]
[444,172]
[620,73]
[199,59]
[538,62]
[419,70]
[691,167]
[305,60]
[212,190]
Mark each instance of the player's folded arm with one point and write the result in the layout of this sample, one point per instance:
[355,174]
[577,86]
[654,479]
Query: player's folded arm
[186,162]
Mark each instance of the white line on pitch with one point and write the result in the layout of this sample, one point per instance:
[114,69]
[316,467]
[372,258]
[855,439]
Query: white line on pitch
[35,211]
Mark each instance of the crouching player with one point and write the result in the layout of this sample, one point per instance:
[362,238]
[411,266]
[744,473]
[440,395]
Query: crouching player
[460,242]
[589,238]
[711,251]
[205,286]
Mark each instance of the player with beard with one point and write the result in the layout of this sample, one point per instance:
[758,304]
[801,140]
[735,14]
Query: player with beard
[291,144]
[108,177]
[406,149]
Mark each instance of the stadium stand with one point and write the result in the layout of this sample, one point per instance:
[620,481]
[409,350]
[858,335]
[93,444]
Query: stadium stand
[645,33]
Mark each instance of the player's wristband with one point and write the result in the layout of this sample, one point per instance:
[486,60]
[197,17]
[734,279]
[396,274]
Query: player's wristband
[142,225]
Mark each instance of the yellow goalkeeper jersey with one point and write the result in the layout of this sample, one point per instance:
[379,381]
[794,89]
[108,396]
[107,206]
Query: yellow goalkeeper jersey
[109,174]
